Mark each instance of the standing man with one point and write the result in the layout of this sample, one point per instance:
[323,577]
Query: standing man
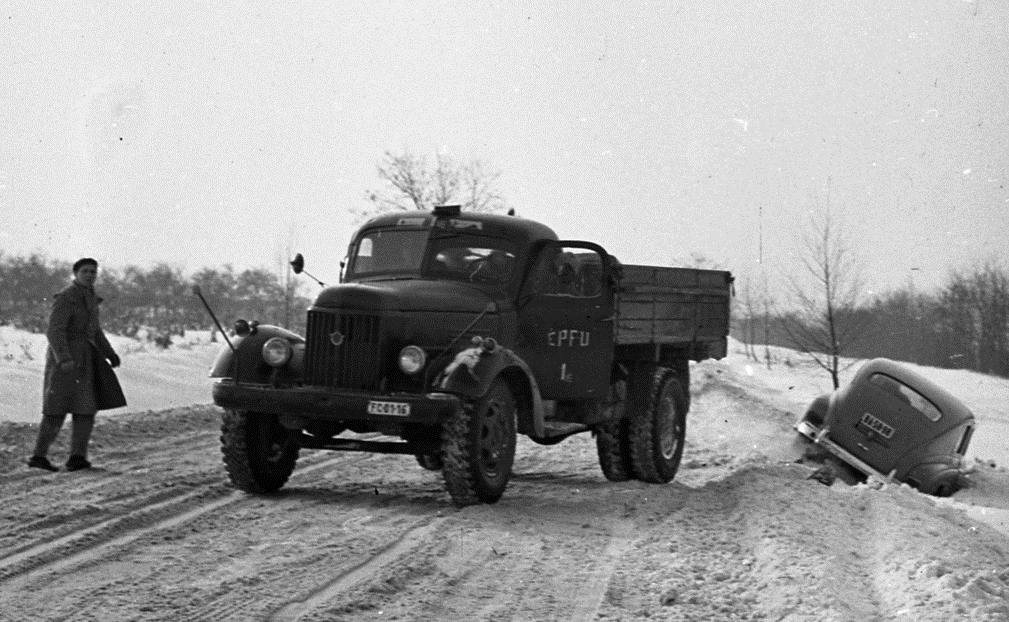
[78,373]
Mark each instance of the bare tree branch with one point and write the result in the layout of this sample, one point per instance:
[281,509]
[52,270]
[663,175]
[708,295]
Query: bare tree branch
[411,183]
[826,292]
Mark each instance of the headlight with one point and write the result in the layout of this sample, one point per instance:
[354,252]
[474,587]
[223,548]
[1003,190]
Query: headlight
[277,351]
[412,359]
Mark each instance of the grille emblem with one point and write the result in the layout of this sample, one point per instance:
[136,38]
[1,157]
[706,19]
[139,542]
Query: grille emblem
[336,337]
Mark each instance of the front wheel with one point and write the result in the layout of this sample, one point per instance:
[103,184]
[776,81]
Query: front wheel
[259,453]
[478,444]
[658,428]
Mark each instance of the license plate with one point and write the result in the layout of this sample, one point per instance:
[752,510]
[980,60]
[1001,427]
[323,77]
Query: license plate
[388,408]
[877,426]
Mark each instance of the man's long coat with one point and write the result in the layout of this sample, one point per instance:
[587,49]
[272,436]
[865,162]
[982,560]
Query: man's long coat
[75,333]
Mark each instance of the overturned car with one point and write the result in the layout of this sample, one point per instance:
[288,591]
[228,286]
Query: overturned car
[892,424]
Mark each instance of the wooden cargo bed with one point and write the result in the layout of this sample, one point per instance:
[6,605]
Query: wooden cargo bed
[675,306]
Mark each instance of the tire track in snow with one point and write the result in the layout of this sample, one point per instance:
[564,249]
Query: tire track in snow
[416,534]
[92,542]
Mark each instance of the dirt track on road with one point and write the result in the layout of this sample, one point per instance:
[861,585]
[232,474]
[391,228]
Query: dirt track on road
[156,532]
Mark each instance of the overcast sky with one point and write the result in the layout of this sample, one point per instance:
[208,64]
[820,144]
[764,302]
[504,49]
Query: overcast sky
[205,133]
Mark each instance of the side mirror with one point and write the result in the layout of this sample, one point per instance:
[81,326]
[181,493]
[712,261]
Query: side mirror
[298,264]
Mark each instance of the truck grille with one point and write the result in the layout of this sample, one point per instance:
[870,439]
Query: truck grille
[356,363]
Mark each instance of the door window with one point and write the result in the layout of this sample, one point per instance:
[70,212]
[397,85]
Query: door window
[474,263]
[564,271]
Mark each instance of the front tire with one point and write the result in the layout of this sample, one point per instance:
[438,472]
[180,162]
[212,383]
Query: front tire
[479,447]
[259,453]
[658,428]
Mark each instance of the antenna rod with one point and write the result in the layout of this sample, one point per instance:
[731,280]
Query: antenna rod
[196,290]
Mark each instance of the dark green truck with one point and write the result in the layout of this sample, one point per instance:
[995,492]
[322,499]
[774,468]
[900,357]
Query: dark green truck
[452,332]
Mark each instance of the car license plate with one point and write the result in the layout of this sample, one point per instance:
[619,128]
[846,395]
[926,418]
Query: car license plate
[388,408]
[877,426]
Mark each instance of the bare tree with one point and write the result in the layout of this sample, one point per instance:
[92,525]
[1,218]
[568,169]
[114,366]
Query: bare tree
[973,313]
[479,194]
[411,183]
[826,292]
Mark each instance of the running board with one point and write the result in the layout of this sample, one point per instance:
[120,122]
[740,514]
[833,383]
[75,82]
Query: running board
[562,428]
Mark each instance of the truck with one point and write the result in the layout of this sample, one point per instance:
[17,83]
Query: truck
[450,333]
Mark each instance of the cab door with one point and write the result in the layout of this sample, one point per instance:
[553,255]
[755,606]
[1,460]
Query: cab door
[567,321]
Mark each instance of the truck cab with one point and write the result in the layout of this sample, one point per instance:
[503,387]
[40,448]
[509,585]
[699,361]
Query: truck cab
[430,280]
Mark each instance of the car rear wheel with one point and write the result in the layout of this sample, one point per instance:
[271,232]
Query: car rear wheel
[945,485]
[478,444]
[259,453]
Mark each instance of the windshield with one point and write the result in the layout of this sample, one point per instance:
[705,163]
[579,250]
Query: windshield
[389,252]
[472,258]
[398,252]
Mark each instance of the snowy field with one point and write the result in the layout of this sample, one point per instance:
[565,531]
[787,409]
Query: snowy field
[153,378]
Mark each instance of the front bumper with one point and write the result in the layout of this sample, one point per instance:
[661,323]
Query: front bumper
[327,405]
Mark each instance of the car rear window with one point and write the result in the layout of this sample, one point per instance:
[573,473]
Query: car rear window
[905,393]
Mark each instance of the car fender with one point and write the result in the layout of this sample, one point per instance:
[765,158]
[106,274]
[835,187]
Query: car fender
[933,471]
[474,369]
[816,414]
[243,359]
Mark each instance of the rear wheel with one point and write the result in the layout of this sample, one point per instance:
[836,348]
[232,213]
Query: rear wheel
[946,485]
[658,427]
[613,440]
[259,453]
[479,447]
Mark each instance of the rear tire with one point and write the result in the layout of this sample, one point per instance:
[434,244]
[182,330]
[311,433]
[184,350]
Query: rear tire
[946,485]
[658,428]
[613,438]
[478,444]
[259,453]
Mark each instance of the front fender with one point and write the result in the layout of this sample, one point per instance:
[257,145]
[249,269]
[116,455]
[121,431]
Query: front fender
[245,363]
[474,369]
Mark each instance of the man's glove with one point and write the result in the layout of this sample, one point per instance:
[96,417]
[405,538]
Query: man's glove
[114,360]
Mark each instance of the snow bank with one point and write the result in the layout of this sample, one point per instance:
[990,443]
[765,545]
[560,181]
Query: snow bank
[794,380]
[153,378]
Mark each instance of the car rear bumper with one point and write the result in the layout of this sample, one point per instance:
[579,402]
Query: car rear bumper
[821,436]
[322,404]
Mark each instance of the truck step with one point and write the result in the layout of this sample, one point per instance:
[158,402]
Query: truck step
[562,428]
